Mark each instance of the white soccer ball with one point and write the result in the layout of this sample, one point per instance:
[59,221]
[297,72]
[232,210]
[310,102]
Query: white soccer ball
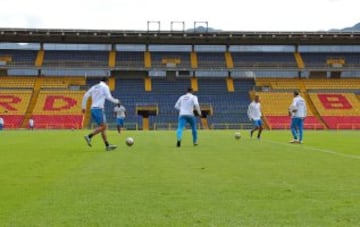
[237,135]
[129,141]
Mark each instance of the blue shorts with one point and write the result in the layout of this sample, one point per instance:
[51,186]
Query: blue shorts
[257,123]
[120,122]
[98,116]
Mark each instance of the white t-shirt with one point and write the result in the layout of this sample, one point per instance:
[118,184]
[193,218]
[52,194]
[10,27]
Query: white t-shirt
[1,121]
[300,106]
[120,111]
[186,103]
[254,111]
[98,93]
[31,122]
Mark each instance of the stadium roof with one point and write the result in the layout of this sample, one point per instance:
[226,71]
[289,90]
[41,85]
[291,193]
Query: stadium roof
[177,37]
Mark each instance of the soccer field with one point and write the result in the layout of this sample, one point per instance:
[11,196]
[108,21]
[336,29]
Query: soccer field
[52,178]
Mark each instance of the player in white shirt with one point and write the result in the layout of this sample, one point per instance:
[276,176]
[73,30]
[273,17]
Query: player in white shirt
[99,93]
[31,123]
[120,113]
[297,111]
[254,114]
[2,123]
[186,104]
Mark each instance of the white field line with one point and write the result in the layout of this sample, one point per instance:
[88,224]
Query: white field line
[315,149]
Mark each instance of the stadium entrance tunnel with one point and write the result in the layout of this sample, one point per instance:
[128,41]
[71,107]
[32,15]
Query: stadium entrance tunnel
[146,110]
[206,110]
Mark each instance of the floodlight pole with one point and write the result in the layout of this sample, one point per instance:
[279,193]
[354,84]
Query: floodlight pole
[177,22]
[153,22]
[201,22]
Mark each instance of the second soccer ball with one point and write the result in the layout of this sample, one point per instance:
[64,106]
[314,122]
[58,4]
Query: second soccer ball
[237,135]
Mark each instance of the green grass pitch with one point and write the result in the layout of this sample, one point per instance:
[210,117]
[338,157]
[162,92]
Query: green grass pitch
[52,178]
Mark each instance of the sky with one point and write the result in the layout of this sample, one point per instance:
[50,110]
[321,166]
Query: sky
[166,15]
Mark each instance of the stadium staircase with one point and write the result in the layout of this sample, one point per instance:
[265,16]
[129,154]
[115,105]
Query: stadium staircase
[229,61]
[112,59]
[230,84]
[112,83]
[313,109]
[194,60]
[194,83]
[39,58]
[299,61]
[147,59]
[147,82]
[32,103]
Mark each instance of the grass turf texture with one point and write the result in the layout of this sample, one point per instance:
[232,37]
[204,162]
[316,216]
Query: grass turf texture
[52,178]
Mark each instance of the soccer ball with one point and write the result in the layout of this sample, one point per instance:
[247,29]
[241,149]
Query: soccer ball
[129,141]
[237,135]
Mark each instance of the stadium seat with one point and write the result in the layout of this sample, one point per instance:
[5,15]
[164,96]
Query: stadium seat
[338,110]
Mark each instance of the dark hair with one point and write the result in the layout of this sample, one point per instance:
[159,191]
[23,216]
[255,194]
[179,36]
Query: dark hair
[296,93]
[190,89]
[105,79]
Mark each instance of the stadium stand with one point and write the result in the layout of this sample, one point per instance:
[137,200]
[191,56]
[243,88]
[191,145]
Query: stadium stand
[62,58]
[17,82]
[147,70]
[275,107]
[167,90]
[130,59]
[331,84]
[229,108]
[260,60]
[338,110]
[331,59]
[170,60]
[62,82]
[164,93]
[279,83]
[19,57]
[131,92]
[309,84]
[213,60]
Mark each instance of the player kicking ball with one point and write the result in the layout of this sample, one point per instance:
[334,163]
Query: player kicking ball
[185,105]
[99,92]
[254,114]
